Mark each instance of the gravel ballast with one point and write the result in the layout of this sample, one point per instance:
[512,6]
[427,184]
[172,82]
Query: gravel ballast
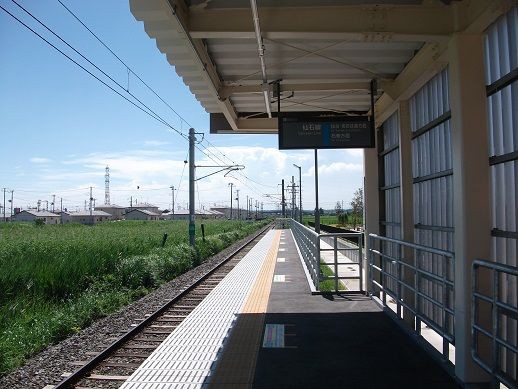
[47,367]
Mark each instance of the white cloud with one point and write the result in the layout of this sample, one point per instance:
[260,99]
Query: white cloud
[355,152]
[153,143]
[334,168]
[153,171]
[39,160]
[245,155]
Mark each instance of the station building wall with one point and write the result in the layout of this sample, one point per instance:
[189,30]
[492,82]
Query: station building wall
[432,181]
[501,64]
[429,118]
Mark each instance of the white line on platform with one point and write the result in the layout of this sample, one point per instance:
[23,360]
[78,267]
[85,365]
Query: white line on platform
[279,278]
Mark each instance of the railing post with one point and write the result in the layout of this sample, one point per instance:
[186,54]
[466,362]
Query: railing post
[370,256]
[474,310]
[416,294]
[317,262]
[495,326]
[360,262]
[335,254]
[445,324]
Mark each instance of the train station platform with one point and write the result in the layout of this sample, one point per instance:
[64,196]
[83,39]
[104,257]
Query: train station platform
[262,328]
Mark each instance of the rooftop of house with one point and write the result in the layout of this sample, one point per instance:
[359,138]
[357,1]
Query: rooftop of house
[144,211]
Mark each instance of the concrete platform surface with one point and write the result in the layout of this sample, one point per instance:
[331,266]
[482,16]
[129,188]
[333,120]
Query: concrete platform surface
[312,341]
[262,328]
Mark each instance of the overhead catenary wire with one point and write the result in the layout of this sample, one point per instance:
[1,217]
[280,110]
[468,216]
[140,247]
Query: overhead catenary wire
[206,150]
[124,63]
[77,63]
[180,182]
[153,114]
[209,153]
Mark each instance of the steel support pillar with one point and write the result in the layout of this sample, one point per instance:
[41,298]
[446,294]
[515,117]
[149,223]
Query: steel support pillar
[371,203]
[192,227]
[471,187]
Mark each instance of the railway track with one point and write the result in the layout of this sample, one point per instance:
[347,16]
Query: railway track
[110,367]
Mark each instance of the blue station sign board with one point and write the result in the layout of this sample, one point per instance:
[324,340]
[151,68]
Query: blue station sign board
[301,130]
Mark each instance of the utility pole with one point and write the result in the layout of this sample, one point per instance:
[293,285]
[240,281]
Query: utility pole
[256,207]
[91,198]
[283,202]
[172,198]
[247,208]
[53,201]
[237,198]
[293,214]
[4,205]
[300,192]
[12,195]
[131,202]
[317,208]
[231,184]
[192,227]
[61,203]
[262,214]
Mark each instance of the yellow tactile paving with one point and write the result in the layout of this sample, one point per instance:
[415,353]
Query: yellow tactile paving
[191,355]
[237,365]
[257,300]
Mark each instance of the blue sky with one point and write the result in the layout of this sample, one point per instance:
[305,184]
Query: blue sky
[60,127]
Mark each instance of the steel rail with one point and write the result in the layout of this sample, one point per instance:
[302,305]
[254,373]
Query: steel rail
[81,373]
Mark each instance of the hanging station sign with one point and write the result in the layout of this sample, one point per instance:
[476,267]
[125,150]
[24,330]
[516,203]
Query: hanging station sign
[309,130]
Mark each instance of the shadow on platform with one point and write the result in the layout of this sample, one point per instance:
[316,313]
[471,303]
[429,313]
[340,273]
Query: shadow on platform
[325,350]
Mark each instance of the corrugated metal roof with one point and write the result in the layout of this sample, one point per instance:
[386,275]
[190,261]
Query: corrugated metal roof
[143,205]
[186,212]
[39,213]
[87,213]
[144,211]
[294,60]
[323,53]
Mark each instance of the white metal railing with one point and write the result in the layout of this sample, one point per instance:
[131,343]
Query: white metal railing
[501,360]
[344,255]
[334,252]
[432,292]
[308,243]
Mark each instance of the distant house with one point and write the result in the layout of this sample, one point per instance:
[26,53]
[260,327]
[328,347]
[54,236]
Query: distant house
[32,215]
[141,214]
[209,214]
[224,212]
[116,211]
[179,214]
[84,217]
[183,214]
[143,207]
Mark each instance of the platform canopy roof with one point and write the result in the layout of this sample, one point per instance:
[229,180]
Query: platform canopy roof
[325,53]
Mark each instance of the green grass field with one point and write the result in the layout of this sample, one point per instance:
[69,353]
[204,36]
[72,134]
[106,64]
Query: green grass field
[329,285]
[55,280]
[354,221]
[324,219]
